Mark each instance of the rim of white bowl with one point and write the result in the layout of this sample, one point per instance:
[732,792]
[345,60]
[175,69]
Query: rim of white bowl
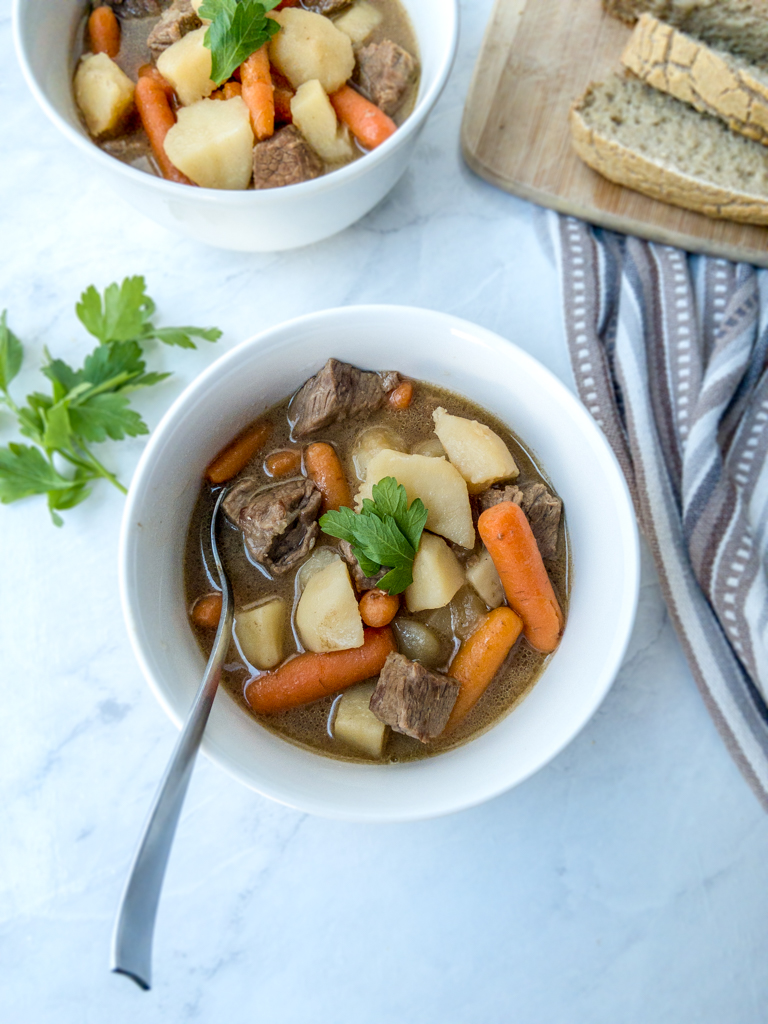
[327,182]
[488,789]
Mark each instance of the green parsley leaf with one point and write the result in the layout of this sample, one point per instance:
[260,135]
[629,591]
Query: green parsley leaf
[11,353]
[236,31]
[104,416]
[121,359]
[121,315]
[85,406]
[182,336]
[342,524]
[24,471]
[58,429]
[385,533]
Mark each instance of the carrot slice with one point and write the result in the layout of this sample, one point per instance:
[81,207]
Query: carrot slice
[104,31]
[323,466]
[158,118]
[480,657]
[206,611]
[507,535]
[368,124]
[378,608]
[308,677]
[259,93]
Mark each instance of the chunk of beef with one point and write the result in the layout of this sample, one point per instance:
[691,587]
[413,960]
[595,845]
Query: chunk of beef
[413,700]
[362,582]
[541,507]
[386,72]
[284,159]
[338,392]
[327,7]
[180,18]
[137,8]
[279,525]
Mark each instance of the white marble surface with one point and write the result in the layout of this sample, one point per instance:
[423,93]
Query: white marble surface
[627,881]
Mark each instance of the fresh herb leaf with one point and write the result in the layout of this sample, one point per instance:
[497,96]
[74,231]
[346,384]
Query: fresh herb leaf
[110,362]
[182,336]
[62,376]
[120,315]
[106,416]
[384,534]
[11,353]
[24,471]
[238,28]
[85,406]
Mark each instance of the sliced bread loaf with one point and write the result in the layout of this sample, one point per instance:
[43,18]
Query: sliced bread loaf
[740,26]
[653,143]
[711,80]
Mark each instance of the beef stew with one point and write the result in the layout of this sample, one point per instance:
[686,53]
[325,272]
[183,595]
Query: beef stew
[324,654]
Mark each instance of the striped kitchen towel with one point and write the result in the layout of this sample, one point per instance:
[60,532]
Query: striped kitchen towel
[670,352]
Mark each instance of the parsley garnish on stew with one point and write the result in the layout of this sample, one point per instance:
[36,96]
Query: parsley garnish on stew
[238,28]
[85,406]
[384,534]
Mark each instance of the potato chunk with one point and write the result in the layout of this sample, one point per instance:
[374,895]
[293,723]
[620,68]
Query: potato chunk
[356,724]
[327,616]
[316,119]
[104,93]
[317,561]
[309,46]
[480,456]
[369,443]
[359,21]
[437,575]
[260,633]
[482,574]
[212,143]
[187,66]
[439,485]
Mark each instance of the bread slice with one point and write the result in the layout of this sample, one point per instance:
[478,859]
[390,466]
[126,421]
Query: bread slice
[709,79]
[740,26]
[654,144]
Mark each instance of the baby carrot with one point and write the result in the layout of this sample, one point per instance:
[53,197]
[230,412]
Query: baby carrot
[285,463]
[239,453]
[480,657]
[323,466]
[368,124]
[150,71]
[104,31]
[378,608]
[309,677]
[231,89]
[402,396]
[206,611]
[506,533]
[157,117]
[258,92]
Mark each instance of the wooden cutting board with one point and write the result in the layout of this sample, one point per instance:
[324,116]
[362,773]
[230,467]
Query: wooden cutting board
[536,58]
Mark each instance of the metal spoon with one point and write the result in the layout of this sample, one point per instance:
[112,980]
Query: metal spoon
[132,939]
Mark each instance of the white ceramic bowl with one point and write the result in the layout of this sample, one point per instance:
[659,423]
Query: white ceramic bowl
[253,221]
[503,379]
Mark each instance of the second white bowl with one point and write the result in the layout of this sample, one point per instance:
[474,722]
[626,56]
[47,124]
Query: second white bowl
[254,221]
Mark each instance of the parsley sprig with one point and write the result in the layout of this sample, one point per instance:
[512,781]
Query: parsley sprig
[384,534]
[238,28]
[85,406]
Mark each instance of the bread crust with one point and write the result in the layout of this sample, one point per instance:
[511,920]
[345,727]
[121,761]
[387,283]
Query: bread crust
[641,173]
[673,62]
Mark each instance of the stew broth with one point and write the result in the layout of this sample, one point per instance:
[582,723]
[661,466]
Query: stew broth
[310,726]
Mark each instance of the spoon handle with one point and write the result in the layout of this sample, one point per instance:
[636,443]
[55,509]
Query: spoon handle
[132,939]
